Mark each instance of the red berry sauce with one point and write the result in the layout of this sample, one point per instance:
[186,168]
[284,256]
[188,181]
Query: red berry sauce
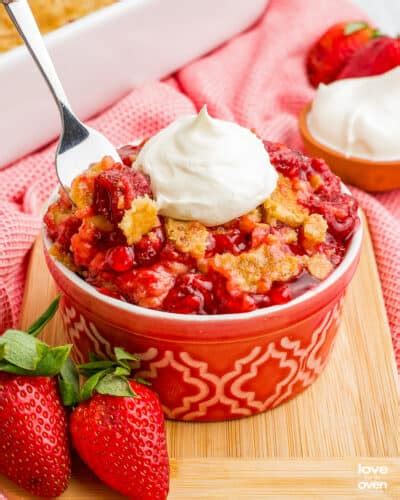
[156,272]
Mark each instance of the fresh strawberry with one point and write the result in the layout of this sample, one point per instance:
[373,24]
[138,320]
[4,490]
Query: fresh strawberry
[334,48]
[33,434]
[376,57]
[33,423]
[118,430]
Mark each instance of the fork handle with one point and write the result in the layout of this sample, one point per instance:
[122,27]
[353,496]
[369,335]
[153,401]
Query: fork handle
[21,15]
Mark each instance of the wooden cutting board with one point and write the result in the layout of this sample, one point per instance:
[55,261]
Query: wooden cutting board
[318,445]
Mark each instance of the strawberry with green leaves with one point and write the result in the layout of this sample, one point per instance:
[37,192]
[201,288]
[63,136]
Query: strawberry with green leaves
[118,429]
[329,54]
[34,451]
[117,424]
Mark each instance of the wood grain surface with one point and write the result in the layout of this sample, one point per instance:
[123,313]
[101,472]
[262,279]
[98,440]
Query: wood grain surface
[309,447]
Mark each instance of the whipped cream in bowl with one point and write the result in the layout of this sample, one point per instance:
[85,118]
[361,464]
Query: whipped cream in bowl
[359,117]
[207,170]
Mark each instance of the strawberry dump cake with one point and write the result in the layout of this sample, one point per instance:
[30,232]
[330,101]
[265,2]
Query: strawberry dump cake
[118,229]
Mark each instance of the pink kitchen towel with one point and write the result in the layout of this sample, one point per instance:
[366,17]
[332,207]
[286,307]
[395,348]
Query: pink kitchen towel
[257,79]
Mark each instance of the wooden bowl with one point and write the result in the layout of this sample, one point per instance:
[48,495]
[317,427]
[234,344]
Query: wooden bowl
[369,175]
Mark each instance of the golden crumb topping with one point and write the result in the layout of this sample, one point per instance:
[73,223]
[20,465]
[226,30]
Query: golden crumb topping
[288,235]
[188,236]
[255,215]
[282,205]
[100,222]
[99,167]
[139,219]
[50,15]
[250,220]
[81,192]
[319,266]
[255,271]
[59,214]
[244,270]
[315,228]
[63,257]
[316,181]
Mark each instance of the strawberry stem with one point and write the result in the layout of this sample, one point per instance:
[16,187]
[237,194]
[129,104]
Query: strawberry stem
[44,318]
[68,383]
[355,26]
[108,376]
[21,353]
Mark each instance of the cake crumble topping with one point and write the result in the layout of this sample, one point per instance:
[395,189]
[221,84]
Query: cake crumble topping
[112,235]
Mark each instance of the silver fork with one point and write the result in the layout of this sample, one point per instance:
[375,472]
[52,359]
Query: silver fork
[79,145]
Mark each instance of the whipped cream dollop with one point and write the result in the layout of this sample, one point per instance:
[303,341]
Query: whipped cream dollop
[359,117]
[207,170]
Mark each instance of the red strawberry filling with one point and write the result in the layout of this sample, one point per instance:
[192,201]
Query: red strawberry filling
[116,188]
[191,294]
[149,247]
[120,258]
[233,241]
[268,257]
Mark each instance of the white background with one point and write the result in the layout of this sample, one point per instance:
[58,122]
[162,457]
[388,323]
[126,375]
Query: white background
[384,13]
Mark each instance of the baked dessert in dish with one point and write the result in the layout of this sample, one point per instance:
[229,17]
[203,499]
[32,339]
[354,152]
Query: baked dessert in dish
[50,15]
[239,225]
[115,238]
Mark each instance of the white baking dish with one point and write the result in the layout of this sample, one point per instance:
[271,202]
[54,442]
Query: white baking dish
[104,55]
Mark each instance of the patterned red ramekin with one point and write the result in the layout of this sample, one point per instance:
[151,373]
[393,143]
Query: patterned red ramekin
[218,367]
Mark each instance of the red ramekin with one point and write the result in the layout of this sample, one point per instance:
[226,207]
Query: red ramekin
[218,367]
